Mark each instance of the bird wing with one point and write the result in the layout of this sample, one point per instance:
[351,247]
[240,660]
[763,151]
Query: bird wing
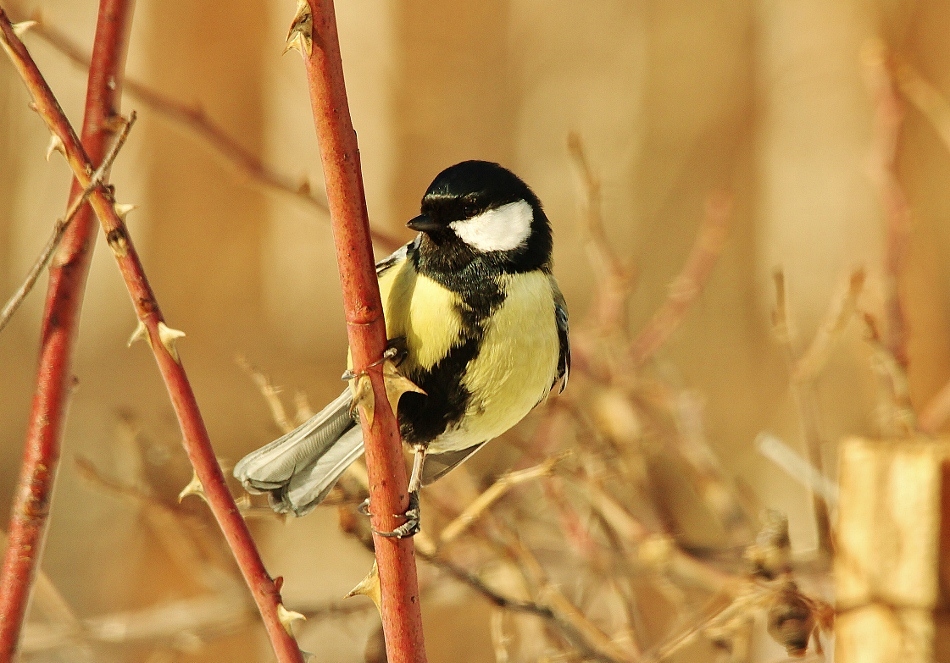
[397,256]
[563,332]
[438,465]
[299,468]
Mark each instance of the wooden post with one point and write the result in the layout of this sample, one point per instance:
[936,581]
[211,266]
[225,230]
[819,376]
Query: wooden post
[892,561]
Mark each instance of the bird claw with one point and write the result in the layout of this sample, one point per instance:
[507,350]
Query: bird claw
[412,515]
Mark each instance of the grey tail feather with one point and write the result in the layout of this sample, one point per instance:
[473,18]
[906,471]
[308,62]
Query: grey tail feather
[299,469]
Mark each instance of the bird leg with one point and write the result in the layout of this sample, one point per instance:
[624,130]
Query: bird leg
[413,514]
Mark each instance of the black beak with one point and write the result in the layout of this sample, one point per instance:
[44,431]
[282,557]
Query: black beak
[423,224]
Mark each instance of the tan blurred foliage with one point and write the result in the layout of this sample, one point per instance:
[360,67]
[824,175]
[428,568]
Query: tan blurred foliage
[773,101]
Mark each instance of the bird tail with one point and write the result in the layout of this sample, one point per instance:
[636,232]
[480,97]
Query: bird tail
[299,469]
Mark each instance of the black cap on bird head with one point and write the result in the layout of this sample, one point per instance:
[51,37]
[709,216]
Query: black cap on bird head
[479,208]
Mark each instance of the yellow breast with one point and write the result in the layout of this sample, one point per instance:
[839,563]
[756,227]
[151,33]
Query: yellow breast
[430,323]
[517,362]
[515,368]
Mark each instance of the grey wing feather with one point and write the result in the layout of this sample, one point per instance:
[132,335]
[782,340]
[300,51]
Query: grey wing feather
[438,465]
[311,485]
[299,469]
[296,468]
[563,334]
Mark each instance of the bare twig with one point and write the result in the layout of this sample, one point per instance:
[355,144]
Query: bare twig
[687,286]
[196,121]
[810,363]
[575,636]
[494,493]
[61,315]
[59,228]
[314,34]
[162,342]
[270,393]
[806,402]
[934,106]
[888,124]
[616,278]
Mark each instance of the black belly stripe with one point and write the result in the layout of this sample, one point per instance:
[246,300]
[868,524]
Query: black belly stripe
[422,418]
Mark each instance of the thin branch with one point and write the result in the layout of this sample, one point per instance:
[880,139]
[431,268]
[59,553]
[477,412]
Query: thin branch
[162,341]
[61,315]
[494,493]
[314,34]
[934,106]
[888,125]
[686,287]
[616,278]
[270,393]
[59,228]
[842,309]
[574,635]
[196,122]
[806,402]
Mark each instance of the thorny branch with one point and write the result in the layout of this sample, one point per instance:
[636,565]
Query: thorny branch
[63,304]
[196,121]
[314,34]
[162,341]
[59,228]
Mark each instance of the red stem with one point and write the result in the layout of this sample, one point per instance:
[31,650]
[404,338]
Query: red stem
[196,441]
[64,297]
[366,330]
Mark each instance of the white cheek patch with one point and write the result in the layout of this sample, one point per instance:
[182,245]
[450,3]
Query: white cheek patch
[500,229]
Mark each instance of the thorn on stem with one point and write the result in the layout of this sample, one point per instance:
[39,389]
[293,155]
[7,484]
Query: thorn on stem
[194,487]
[55,145]
[169,338]
[140,334]
[288,617]
[300,36]
[123,209]
[21,28]
[369,586]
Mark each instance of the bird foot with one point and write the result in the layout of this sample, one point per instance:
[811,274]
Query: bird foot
[412,515]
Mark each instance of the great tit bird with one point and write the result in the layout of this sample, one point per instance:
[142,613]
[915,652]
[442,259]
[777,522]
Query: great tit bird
[481,328]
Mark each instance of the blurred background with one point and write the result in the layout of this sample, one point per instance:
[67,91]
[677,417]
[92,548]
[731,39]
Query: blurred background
[810,132]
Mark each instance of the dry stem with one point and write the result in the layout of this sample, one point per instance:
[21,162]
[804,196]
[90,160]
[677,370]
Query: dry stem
[195,121]
[59,228]
[161,339]
[686,287]
[889,119]
[495,492]
[807,405]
